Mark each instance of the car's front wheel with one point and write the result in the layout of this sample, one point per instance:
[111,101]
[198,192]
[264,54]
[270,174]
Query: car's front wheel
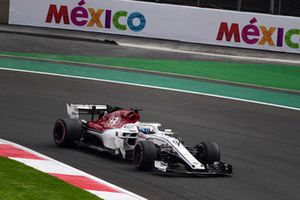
[67,132]
[208,152]
[144,155]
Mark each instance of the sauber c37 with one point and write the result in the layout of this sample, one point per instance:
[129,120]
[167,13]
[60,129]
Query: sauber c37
[121,133]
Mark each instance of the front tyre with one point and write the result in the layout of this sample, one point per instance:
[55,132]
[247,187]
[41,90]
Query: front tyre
[144,155]
[208,152]
[67,132]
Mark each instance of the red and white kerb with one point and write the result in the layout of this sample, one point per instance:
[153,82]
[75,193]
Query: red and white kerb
[66,173]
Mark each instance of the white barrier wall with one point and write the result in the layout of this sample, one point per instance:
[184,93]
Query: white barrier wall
[189,24]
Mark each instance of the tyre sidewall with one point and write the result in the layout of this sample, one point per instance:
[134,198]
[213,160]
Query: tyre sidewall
[147,155]
[71,132]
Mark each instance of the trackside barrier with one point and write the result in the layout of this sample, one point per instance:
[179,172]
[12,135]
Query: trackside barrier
[4,9]
[181,23]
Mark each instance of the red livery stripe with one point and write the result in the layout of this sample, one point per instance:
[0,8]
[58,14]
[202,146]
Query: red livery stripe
[7,150]
[84,183]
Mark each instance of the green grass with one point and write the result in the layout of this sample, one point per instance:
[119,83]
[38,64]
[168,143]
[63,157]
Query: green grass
[265,75]
[20,182]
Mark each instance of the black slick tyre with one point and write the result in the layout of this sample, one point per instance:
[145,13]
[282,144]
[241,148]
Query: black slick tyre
[144,155]
[67,132]
[208,152]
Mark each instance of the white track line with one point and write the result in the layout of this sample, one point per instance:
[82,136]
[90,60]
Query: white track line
[144,70]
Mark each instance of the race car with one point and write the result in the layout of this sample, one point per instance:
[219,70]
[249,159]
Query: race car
[120,132]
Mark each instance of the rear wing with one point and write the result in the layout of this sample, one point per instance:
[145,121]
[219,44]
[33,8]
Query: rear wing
[74,110]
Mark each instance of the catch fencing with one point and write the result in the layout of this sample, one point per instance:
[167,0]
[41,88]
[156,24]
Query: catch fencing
[277,7]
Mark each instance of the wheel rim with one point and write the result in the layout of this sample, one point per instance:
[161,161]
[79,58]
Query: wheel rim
[202,152]
[59,133]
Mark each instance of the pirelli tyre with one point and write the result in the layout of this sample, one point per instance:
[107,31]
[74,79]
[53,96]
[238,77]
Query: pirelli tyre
[144,155]
[67,132]
[208,152]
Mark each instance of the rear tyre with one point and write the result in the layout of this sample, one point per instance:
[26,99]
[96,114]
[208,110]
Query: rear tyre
[144,155]
[67,132]
[208,152]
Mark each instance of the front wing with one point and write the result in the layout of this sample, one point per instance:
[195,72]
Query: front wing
[216,169]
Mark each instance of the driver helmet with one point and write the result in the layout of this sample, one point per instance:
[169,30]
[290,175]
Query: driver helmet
[146,130]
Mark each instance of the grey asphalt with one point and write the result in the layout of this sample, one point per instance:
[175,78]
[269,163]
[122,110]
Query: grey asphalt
[261,142]
[37,40]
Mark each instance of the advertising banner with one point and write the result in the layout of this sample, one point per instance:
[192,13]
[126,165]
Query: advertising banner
[188,24]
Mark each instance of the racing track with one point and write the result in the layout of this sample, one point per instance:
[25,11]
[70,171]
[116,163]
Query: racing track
[261,142]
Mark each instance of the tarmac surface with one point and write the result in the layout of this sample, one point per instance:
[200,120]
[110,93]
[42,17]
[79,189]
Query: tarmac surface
[46,40]
[261,142]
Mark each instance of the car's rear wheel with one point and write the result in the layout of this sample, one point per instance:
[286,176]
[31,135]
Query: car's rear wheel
[67,132]
[144,155]
[208,152]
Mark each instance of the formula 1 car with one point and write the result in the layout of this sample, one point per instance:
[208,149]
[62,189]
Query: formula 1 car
[119,132]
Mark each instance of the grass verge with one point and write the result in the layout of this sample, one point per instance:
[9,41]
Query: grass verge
[18,181]
[266,75]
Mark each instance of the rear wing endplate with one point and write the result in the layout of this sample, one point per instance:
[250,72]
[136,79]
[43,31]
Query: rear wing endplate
[74,110]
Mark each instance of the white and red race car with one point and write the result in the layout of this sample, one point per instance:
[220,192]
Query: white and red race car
[120,132]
